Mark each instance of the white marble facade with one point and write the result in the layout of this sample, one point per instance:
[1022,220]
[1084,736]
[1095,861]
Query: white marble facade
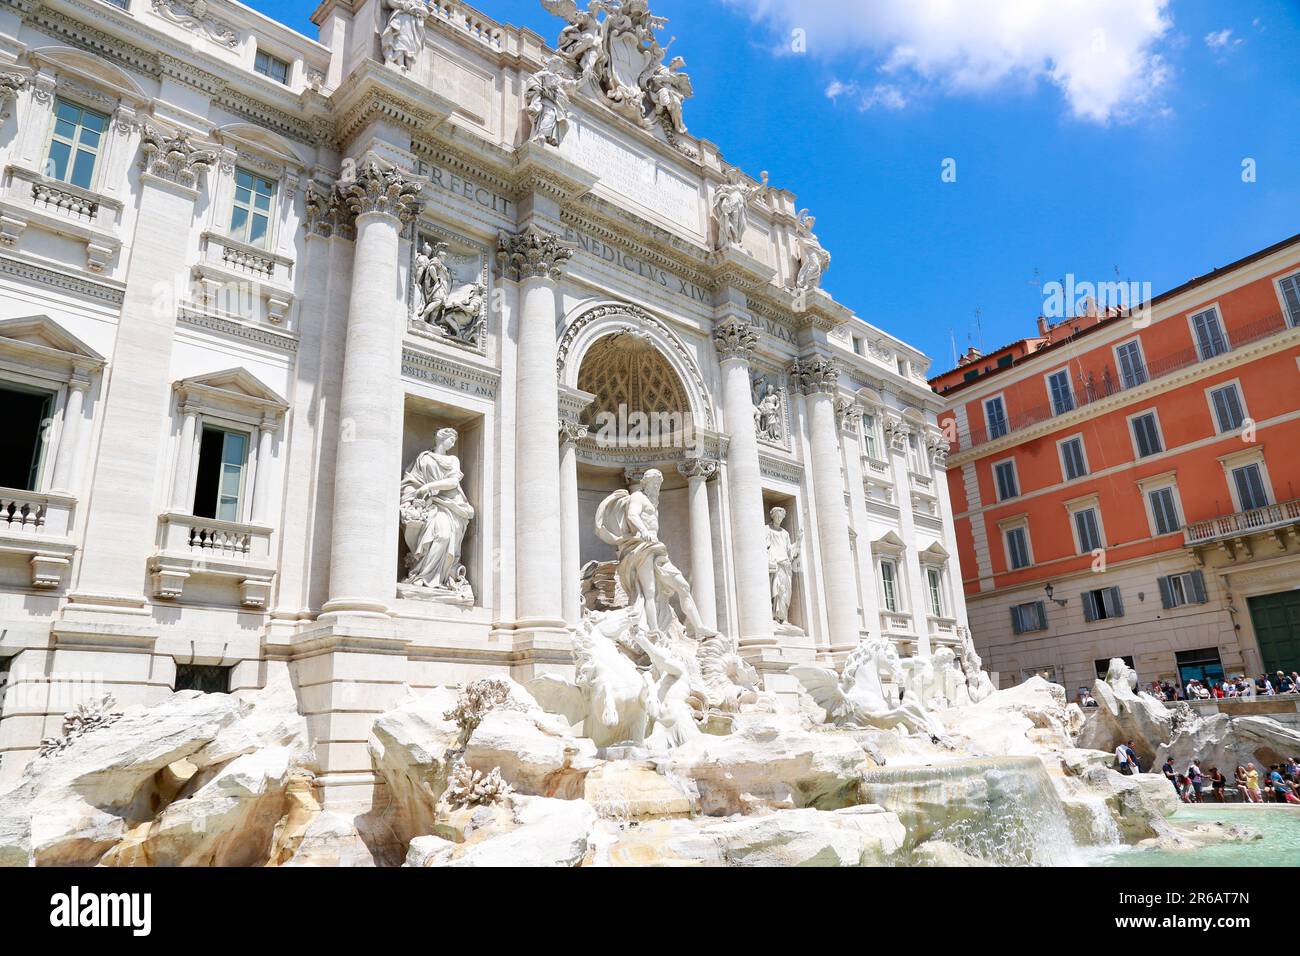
[291,273]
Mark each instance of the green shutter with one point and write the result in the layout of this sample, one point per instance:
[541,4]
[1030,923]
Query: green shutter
[1166,593]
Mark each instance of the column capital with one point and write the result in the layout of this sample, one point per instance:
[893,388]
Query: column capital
[939,447]
[173,157]
[816,374]
[385,190]
[693,468]
[572,432]
[328,213]
[735,339]
[532,254]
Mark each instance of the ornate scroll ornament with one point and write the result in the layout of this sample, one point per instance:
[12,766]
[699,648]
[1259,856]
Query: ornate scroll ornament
[816,374]
[193,15]
[385,190]
[174,157]
[11,84]
[622,56]
[532,254]
[328,213]
[735,339]
[697,468]
[939,447]
[572,432]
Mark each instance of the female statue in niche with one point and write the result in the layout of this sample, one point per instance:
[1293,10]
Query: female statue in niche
[435,514]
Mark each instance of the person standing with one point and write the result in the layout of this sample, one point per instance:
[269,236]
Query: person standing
[1217,784]
[1133,761]
[1198,781]
[1252,784]
[1170,774]
[1122,763]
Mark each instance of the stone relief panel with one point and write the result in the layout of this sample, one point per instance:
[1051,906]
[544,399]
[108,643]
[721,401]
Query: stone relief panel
[448,288]
[771,408]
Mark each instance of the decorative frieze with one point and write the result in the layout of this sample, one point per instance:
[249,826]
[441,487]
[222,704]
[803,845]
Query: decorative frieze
[939,447]
[735,339]
[847,413]
[896,433]
[193,15]
[174,157]
[815,374]
[383,190]
[532,254]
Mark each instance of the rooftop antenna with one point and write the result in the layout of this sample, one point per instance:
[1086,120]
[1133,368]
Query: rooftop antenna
[952,337]
[979,329]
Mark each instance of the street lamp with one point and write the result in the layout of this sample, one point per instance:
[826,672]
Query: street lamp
[1050,590]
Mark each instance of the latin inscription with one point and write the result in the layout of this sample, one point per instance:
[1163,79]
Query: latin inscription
[449,182]
[646,270]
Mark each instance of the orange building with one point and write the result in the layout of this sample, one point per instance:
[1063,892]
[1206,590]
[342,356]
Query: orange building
[1128,484]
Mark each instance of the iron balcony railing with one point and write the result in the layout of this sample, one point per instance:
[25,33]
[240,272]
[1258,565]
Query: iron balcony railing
[1243,522]
[1088,388]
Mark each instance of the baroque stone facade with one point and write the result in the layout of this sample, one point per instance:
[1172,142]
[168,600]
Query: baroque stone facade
[321,358]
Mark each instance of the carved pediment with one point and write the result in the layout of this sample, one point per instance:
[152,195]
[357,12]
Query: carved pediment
[888,543]
[38,343]
[261,141]
[232,390]
[67,61]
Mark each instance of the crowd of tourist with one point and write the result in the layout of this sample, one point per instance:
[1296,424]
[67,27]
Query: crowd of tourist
[1279,783]
[1239,686]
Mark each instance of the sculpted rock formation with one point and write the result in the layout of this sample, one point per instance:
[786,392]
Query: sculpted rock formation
[1230,742]
[1122,714]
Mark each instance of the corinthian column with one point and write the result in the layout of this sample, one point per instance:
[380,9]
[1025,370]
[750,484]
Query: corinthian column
[697,472]
[736,341]
[362,579]
[817,377]
[534,258]
[570,434]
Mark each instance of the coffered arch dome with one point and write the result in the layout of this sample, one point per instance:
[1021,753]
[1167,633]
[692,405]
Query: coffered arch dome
[622,353]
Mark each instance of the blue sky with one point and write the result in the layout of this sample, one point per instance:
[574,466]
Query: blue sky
[1089,136]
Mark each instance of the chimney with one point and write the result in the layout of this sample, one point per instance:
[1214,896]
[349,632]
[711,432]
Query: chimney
[1042,326]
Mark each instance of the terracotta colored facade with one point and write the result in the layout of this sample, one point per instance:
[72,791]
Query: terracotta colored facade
[1176,429]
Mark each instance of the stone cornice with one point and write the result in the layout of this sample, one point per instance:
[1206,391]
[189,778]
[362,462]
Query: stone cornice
[374,90]
[284,341]
[480,380]
[112,293]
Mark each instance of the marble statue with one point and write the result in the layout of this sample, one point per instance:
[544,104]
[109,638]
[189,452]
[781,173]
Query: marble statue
[546,100]
[814,260]
[767,410]
[435,514]
[731,202]
[580,41]
[456,311]
[403,36]
[979,685]
[783,554]
[857,699]
[667,87]
[630,522]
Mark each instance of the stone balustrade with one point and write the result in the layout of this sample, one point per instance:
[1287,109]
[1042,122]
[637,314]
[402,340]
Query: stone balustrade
[194,546]
[895,622]
[38,524]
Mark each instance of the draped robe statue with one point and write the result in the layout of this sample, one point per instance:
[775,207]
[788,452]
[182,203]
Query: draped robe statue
[403,36]
[782,562]
[435,514]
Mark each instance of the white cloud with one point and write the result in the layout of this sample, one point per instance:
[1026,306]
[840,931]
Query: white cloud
[1222,41]
[885,95]
[1102,54]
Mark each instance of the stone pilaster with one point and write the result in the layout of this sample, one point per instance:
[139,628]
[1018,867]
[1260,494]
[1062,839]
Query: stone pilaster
[817,377]
[570,560]
[736,340]
[535,258]
[367,467]
[697,472]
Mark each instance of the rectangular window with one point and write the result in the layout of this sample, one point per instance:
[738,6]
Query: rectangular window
[22,440]
[936,591]
[1291,296]
[205,678]
[889,585]
[1018,548]
[1228,413]
[272,67]
[996,415]
[1005,473]
[1208,329]
[1179,589]
[1085,525]
[1072,462]
[869,430]
[1146,434]
[219,490]
[250,217]
[914,456]
[75,144]
[1058,384]
[1102,604]
[1251,492]
[1164,510]
[1028,617]
[1132,369]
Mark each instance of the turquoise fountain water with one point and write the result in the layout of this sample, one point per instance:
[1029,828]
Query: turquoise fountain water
[1279,843]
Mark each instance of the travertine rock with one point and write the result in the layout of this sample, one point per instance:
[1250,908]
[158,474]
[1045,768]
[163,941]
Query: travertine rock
[1019,720]
[545,832]
[1230,742]
[534,751]
[1122,714]
[333,839]
[940,853]
[631,790]
[410,748]
[769,761]
[268,718]
[853,836]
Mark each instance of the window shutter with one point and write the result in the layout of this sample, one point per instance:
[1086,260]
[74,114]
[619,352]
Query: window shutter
[1291,292]
[1041,613]
[1114,603]
[1089,605]
[1016,627]
[1166,593]
[1198,587]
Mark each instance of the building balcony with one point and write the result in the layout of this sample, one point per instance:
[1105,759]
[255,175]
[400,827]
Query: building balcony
[39,526]
[30,200]
[1279,520]
[205,547]
[896,622]
[227,263]
[944,630]
[1098,387]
